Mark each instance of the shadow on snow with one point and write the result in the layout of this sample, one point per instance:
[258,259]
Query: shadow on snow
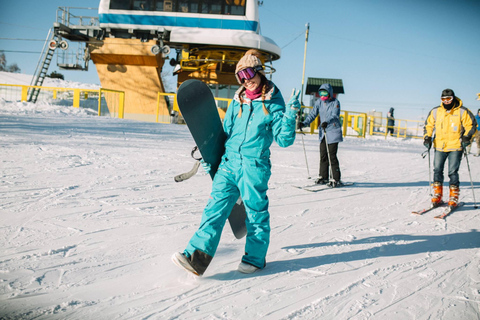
[393,245]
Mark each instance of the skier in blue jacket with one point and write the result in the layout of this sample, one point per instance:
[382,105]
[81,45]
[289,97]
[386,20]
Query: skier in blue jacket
[328,109]
[256,116]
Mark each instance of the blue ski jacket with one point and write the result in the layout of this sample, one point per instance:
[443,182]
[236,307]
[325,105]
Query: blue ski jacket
[328,111]
[251,132]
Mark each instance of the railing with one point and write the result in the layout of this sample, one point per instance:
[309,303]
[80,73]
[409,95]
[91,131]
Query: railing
[359,124]
[92,99]
[401,128]
[171,100]
[65,17]
[111,103]
[355,126]
[107,102]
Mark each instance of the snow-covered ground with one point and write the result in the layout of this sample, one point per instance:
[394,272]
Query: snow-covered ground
[90,216]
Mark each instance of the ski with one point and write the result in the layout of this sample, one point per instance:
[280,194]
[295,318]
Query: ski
[322,187]
[423,211]
[448,210]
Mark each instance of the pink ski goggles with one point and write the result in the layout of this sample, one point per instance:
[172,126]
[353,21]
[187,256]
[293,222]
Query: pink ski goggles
[247,74]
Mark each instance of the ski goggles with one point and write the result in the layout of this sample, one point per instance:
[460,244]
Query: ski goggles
[247,74]
[447,99]
[323,93]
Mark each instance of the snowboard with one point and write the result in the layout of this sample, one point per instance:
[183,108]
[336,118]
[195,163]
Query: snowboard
[199,110]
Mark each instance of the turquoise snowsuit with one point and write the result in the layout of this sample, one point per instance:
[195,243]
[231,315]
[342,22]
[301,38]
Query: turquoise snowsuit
[244,171]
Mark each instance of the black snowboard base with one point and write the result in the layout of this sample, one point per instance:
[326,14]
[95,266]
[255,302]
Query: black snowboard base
[199,110]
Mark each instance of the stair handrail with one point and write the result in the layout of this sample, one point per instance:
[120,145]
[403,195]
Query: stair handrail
[40,60]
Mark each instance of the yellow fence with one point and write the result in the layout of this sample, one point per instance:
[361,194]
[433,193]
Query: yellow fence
[106,102]
[171,99]
[359,124]
[95,100]
[111,103]
[400,129]
[355,126]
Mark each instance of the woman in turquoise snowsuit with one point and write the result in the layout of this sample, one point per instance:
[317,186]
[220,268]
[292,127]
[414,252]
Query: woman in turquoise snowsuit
[256,116]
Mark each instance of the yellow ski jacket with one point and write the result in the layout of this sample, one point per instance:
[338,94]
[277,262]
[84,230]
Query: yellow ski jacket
[449,126]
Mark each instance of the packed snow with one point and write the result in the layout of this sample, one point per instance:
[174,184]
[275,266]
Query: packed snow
[90,216]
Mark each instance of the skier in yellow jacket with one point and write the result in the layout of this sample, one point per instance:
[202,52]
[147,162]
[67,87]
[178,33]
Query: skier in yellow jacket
[453,125]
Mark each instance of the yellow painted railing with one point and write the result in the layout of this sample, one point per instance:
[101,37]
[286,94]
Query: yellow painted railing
[16,92]
[100,101]
[401,128]
[355,126]
[172,98]
[113,101]
[359,124]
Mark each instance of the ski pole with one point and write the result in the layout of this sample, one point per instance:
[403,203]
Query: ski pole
[429,171]
[471,181]
[305,153]
[328,154]
[430,174]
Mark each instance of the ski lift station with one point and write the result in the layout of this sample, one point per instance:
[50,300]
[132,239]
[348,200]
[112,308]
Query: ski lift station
[130,41]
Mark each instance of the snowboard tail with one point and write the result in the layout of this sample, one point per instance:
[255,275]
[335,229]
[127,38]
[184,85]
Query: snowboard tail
[199,110]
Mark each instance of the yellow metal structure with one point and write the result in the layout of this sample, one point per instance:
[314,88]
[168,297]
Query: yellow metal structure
[112,102]
[173,98]
[78,97]
[401,129]
[212,65]
[129,65]
[20,92]
[359,124]
[115,102]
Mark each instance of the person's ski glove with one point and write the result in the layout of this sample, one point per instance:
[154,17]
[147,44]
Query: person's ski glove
[300,125]
[206,166]
[324,125]
[427,142]
[466,140]
[293,105]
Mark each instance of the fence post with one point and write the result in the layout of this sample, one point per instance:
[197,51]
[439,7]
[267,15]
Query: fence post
[158,105]
[25,93]
[100,102]
[76,98]
[345,123]
[121,104]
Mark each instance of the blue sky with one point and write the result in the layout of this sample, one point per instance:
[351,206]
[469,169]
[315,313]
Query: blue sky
[395,53]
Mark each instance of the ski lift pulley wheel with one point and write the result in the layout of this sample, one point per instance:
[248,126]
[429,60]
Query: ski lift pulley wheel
[52,45]
[63,45]
[155,50]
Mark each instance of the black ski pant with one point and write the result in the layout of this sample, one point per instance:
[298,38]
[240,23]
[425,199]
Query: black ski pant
[324,165]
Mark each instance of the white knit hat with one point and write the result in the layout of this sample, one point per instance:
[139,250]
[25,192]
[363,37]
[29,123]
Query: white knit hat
[249,61]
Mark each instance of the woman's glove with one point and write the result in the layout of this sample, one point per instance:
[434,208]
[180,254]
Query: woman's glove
[293,103]
[206,166]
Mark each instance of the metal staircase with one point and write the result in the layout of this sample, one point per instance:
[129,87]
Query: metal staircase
[46,57]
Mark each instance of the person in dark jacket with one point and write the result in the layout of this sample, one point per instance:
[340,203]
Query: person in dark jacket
[329,133]
[390,121]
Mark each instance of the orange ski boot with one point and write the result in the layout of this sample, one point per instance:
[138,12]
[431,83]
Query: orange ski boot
[454,194]
[437,194]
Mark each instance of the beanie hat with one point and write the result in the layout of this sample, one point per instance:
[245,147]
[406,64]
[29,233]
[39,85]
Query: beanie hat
[448,93]
[249,61]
